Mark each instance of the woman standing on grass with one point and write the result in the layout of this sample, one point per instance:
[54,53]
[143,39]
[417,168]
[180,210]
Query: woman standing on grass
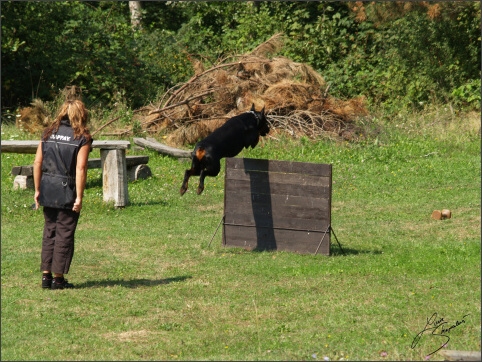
[62,152]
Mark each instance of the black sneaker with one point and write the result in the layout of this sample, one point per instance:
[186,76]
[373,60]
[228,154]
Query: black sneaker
[61,284]
[47,280]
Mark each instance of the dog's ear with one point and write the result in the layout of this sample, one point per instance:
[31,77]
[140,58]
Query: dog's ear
[262,112]
[252,108]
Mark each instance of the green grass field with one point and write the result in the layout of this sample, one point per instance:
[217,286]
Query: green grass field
[148,286]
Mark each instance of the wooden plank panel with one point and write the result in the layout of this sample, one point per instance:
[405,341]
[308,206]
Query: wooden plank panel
[239,186]
[248,219]
[274,199]
[253,238]
[274,205]
[249,164]
[277,177]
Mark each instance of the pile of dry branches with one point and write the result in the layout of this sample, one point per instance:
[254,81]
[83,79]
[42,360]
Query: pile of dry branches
[294,94]
[36,118]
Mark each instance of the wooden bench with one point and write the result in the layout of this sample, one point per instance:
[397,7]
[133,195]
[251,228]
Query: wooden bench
[117,168]
[136,169]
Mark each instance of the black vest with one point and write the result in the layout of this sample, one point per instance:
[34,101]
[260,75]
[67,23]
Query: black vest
[68,147]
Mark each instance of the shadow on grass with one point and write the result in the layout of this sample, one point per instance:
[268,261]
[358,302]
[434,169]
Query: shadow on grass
[149,203]
[336,251]
[134,283]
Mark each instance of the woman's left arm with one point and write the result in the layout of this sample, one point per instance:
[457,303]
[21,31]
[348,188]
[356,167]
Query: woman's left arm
[81,175]
[37,173]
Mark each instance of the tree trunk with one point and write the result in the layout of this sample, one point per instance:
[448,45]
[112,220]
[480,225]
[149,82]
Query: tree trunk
[135,8]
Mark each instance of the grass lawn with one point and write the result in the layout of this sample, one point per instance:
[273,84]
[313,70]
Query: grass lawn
[148,286]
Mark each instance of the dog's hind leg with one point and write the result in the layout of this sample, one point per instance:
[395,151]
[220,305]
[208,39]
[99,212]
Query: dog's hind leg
[212,170]
[193,171]
[184,185]
[200,187]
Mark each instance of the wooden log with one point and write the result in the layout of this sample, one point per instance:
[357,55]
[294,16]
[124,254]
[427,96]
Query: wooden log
[441,215]
[162,148]
[446,214]
[451,355]
[137,172]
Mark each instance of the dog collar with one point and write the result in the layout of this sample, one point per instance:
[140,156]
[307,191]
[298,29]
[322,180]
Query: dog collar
[255,116]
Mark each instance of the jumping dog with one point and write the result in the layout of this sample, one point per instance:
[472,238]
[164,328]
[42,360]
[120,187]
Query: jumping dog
[228,140]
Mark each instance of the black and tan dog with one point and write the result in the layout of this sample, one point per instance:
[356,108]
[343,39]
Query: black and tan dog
[226,141]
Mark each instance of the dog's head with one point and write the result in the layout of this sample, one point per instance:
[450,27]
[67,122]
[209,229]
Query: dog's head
[262,122]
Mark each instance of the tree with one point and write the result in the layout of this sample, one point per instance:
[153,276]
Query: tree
[135,9]
[407,52]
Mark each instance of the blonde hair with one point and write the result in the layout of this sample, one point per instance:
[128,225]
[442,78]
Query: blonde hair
[78,115]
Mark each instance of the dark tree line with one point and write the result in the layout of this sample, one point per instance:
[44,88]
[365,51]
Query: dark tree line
[392,52]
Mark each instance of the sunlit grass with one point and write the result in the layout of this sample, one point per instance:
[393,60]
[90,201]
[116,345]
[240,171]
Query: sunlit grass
[150,287]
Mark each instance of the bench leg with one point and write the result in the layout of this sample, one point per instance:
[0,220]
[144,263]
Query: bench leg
[114,176]
[23,182]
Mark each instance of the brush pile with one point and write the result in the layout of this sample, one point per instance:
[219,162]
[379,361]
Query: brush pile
[36,118]
[33,119]
[294,94]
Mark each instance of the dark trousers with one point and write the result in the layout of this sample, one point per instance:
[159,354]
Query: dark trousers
[58,239]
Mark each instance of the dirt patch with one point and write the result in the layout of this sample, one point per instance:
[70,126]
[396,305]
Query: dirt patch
[129,336]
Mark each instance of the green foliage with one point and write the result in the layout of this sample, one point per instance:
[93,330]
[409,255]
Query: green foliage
[29,48]
[397,54]
[90,45]
[468,94]
[402,59]
[164,62]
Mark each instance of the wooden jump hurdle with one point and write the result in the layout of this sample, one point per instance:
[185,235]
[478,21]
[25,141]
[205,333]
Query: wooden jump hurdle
[117,168]
[277,205]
